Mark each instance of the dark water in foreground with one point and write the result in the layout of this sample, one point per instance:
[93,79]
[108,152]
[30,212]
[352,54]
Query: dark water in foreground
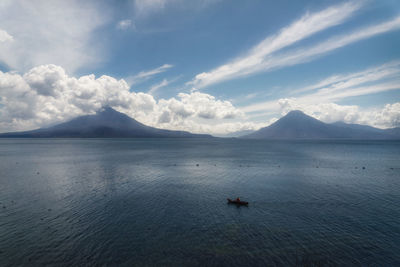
[145,202]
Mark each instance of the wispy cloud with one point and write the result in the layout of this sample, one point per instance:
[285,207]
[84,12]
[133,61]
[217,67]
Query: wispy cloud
[306,26]
[165,82]
[307,54]
[44,33]
[337,82]
[5,36]
[145,75]
[335,88]
[326,95]
[157,86]
[125,24]
[146,7]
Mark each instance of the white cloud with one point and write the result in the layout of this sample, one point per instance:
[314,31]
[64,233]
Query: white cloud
[371,81]
[327,112]
[307,54]
[326,95]
[157,86]
[146,7]
[124,24]
[297,31]
[318,100]
[387,116]
[257,61]
[165,82]
[46,95]
[5,36]
[43,79]
[60,32]
[145,75]
[207,107]
[342,81]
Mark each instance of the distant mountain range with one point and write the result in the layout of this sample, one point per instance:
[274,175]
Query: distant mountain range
[107,123]
[297,125]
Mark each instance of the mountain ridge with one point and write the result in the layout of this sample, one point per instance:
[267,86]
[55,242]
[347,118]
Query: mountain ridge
[109,123]
[297,125]
[106,123]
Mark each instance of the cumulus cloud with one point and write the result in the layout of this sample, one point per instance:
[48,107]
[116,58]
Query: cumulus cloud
[373,80]
[327,112]
[387,116]
[206,106]
[44,79]
[46,95]
[58,33]
[320,99]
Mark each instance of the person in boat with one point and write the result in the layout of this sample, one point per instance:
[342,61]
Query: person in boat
[238,199]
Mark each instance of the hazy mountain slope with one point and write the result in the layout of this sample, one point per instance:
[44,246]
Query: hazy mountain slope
[297,125]
[105,123]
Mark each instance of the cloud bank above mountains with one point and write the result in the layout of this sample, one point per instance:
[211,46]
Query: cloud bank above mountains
[44,45]
[47,94]
[387,116]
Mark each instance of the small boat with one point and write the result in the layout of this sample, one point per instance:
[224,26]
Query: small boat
[237,202]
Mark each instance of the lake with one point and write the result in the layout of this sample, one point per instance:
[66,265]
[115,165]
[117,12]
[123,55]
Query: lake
[163,202]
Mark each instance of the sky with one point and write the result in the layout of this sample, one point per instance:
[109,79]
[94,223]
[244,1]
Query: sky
[204,66]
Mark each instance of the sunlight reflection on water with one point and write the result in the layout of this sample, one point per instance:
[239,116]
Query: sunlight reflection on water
[146,202]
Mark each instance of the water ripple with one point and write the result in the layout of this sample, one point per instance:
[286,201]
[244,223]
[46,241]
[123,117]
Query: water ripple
[163,202]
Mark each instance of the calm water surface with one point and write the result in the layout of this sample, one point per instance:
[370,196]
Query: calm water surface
[146,202]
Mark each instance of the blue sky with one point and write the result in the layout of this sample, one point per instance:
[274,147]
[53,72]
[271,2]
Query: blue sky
[210,66]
